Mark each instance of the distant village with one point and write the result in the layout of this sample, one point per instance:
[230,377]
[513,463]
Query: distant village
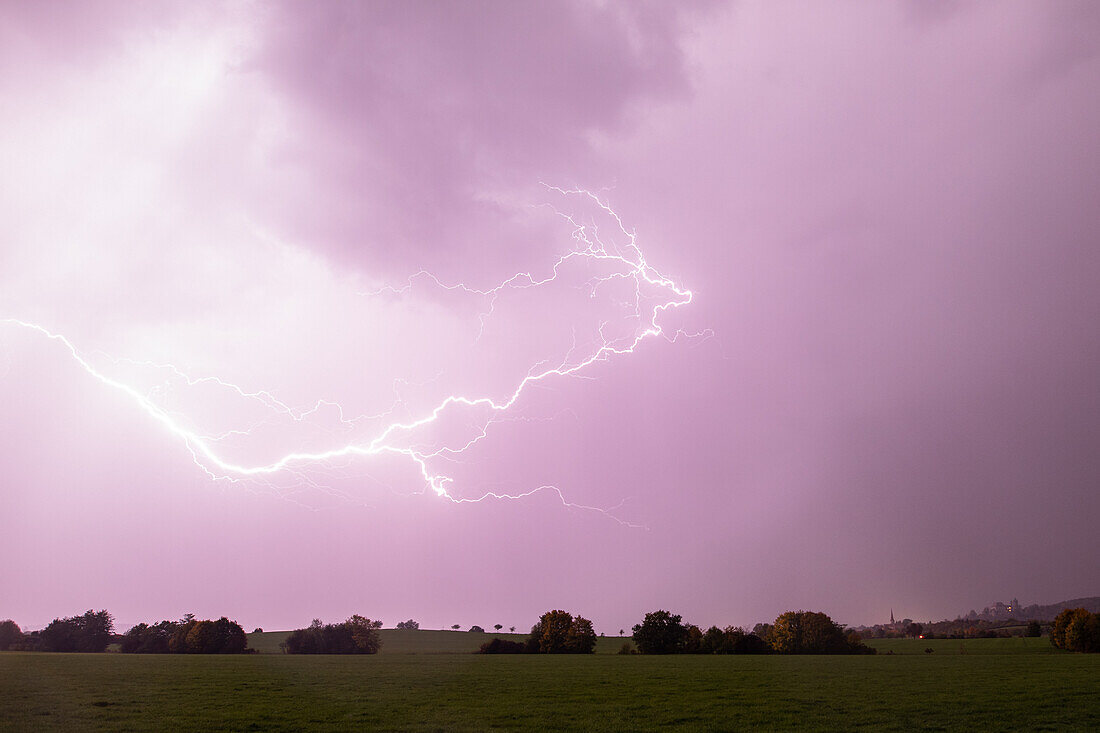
[998,620]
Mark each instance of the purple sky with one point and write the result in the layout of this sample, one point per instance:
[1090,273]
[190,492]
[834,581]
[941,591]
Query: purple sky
[884,216]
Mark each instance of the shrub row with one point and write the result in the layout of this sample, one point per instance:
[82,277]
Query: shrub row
[357,635]
[90,632]
[93,632]
[187,636]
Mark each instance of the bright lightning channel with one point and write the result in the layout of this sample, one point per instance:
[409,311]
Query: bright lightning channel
[632,265]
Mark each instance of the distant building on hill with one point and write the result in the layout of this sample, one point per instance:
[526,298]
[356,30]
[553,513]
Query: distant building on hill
[1001,611]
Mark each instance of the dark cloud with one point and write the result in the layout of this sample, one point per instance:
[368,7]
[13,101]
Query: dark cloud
[412,109]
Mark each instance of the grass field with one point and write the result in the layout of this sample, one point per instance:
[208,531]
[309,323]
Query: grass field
[1016,645]
[990,685]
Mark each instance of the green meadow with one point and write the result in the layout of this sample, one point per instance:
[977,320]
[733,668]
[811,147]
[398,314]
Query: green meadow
[424,682]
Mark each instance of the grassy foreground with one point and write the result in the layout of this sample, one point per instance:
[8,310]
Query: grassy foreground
[600,692]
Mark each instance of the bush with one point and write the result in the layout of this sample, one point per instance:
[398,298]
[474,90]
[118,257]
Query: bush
[477,629]
[409,625]
[357,635]
[627,648]
[558,632]
[660,632]
[502,646]
[1034,629]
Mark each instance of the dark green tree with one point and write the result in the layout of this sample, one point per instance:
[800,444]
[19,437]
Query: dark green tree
[1062,622]
[558,632]
[88,633]
[660,632]
[11,635]
[807,632]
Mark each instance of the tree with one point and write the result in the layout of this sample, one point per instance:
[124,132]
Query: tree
[750,644]
[456,627]
[1083,634]
[660,632]
[364,633]
[498,627]
[807,632]
[409,625]
[552,630]
[1061,624]
[477,629]
[713,641]
[193,637]
[1034,629]
[558,632]
[581,638]
[914,630]
[257,630]
[512,629]
[1076,630]
[88,633]
[10,635]
[146,639]
[693,639]
[731,640]
[201,638]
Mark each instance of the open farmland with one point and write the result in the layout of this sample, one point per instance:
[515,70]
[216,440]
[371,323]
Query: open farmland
[989,686]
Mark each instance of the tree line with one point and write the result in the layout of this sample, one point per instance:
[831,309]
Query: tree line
[357,635]
[90,632]
[662,632]
[186,636]
[557,632]
[94,631]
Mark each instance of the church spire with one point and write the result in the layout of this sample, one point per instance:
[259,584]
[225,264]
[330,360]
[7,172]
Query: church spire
[891,615]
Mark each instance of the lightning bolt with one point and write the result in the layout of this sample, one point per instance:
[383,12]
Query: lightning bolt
[625,263]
